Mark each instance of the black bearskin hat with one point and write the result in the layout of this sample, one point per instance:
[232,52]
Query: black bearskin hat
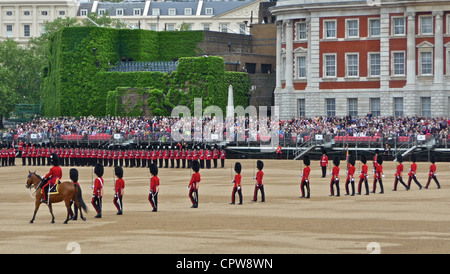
[238,167]
[306,160]
[413,158]
[98,170]
[73,173]
[377,151]
[54,159]
[324,151]
[399,158]
[259,164]
[433,159]
[153,169]
[336,160]
[118,171]
[363,159]
[351,160]
[195,166]
[380,159]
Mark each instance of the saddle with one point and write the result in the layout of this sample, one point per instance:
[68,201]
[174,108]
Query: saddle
[54,189]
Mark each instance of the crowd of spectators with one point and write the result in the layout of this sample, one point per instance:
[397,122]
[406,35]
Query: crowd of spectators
[160,127]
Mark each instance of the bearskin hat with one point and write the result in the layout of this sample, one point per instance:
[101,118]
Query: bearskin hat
[195,166]
[306,160]
[153,169]
[98,170]
[413,158]
[118,171]
[352,160]
[377,151]
[399,158]
[336,160]
[380,159]
[238,168]
[324,151]
[73,173]
[363,159]
[54,159]
[259,164]
[433,159]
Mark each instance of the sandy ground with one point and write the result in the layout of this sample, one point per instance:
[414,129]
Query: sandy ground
[414,221]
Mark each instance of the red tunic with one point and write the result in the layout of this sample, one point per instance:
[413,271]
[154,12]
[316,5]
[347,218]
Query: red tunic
[55,174]
[259,177]
[120,184]
[154,183]
[306,172]
[195,179]
[98,187]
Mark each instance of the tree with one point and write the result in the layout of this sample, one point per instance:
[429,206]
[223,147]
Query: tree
[103,21]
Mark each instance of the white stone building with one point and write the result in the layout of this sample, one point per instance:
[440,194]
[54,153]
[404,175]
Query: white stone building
[387,58]
[21,20]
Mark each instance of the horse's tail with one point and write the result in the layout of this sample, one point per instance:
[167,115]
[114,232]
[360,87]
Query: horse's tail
[79,197]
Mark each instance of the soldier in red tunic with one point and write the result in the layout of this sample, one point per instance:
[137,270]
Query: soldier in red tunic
[363,177]
[335,177]
[350,176]
[194,184]
[412,172]
[154,187]
[119,190]
[432,173]
[237,184]
[51,178]
[259,182]
[324,163]
[398,173]
[222,157]
[98,190]
[305,177]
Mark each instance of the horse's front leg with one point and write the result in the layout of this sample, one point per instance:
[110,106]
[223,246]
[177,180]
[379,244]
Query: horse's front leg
[36,207]
[51,211]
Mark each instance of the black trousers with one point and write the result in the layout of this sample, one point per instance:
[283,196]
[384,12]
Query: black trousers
[233,196]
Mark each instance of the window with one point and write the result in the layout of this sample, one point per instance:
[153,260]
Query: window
[188,11]
[426,25]
[172,11]
[426,106]
[206,27]
[223,28]
[170,27]
[353,107]
[119,12]
[398,26]
[352,65]
[301,64]
[83,12]
[329,29]
[352,28]
[375,107]
[209,11]
[374,64]
[9,31]
[27,13]
[26,30]
[330,107]
[153,27]
[62,13]
[137,12]
[242,28]
[43,31]
[101,12]
[374,27]
[155,12]
[44,13]
[398,63]
[398,106]
[301,31]
[9,13]
[330,65]
[301,108]
[426,59]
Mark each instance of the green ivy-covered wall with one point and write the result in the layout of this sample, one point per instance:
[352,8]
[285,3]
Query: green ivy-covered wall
[77,82]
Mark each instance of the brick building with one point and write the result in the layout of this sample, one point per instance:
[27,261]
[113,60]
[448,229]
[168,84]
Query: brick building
[387,58]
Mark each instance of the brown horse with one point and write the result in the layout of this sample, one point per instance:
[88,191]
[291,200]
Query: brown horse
[67,191]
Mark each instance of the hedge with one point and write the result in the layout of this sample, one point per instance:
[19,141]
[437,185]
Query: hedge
[77,81]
